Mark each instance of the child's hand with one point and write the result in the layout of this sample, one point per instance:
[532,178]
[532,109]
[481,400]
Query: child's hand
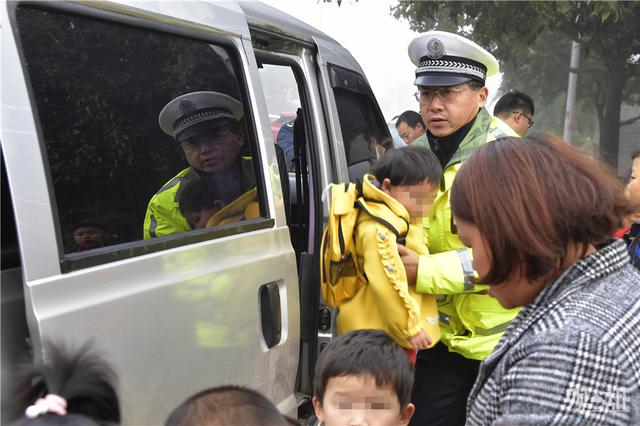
[420,341]
[410,260]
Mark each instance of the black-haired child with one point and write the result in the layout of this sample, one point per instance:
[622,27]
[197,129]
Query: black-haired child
[90,235]
[363,377]
[73,388]
[226,405]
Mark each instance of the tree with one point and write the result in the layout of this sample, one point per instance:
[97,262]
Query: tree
[531,38]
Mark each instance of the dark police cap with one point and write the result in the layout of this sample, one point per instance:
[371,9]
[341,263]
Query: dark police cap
[195,112]
[445,59]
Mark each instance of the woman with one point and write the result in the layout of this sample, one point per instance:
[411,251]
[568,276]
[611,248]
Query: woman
[538,215]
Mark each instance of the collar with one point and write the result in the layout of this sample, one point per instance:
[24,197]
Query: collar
[444,147]
[592,268]
[380,204]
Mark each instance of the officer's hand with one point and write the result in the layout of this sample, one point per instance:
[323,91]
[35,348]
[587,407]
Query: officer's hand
[410,260]
[420,341]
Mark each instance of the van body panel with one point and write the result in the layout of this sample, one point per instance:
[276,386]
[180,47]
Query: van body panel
[270,19]
[181,320]
[267,146]
[310,67]
[219,17]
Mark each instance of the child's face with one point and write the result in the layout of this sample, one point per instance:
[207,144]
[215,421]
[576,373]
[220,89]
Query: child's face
[89,237]
[632,191]
[417,199]
[198,219]
[357,400]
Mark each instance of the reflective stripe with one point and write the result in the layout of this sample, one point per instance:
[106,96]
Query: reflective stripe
[173,182]
[467,268]
[444,318]
[493,330]
[152,226]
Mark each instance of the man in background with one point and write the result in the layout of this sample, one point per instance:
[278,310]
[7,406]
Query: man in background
[411,128]
[516,109]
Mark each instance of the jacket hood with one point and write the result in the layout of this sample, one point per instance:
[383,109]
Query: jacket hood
[380,204]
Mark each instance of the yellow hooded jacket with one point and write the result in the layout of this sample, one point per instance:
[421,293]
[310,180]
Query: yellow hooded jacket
[386,302]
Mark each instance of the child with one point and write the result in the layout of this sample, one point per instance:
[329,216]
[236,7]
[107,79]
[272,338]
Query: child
[89,235]
[363,377]
[399,190]
[226,405]
[631,235]
[197,204]
[71,389]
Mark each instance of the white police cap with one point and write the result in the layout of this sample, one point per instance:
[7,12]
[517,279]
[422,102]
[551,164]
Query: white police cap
[195,112]
[445,59]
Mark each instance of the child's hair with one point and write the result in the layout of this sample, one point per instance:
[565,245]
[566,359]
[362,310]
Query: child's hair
[90,225]
[194,196]
[362,353]
[81,379]
[410,165]
[226,405]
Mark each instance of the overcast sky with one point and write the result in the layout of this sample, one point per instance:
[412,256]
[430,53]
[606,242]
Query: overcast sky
[377,41]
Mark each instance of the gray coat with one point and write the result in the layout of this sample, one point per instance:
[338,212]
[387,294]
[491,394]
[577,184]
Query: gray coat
[573,355]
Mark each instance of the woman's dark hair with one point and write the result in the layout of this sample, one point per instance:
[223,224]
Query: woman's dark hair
[410,118]
[530,198]
[365,352]
[226,405]
[408,166]
[81,377]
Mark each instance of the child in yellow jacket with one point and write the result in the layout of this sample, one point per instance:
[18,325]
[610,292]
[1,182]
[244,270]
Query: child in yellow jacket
[398,192]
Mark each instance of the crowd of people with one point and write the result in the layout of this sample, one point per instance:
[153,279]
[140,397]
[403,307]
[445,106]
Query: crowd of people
[490,265]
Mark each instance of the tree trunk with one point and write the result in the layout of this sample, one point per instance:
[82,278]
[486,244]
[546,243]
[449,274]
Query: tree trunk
[610,122]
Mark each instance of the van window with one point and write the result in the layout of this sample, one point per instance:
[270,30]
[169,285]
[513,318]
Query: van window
[364,131]
[283,100]
[98,88]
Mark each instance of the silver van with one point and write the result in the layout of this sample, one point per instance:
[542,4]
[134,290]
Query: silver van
[235,303]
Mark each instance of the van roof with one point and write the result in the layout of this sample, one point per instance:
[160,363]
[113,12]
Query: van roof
[270,19]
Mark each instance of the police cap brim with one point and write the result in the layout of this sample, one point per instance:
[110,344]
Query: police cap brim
[440,80]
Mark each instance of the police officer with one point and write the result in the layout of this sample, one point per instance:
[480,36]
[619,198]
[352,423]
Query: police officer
[206,125]
[451,92]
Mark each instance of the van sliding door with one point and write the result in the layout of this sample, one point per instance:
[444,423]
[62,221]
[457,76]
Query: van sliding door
[213,302]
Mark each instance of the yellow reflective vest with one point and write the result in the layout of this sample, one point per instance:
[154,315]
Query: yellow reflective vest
[386,302]
[163,215]
[471,321]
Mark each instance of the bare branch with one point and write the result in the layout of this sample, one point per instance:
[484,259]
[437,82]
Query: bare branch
[629,121]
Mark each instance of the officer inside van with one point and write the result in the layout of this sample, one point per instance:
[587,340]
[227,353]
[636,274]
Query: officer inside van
[207,127]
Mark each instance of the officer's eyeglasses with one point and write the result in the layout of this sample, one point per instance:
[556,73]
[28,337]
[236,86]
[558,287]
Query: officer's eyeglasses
[446,94]
[529,119]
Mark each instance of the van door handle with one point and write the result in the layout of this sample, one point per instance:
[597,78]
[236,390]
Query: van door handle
[270,313]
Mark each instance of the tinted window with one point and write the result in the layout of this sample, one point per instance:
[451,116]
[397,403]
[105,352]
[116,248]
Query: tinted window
[98,87]
[364,131]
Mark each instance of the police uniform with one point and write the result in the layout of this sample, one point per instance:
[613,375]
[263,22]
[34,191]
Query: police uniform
[471,323]
[184,117]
